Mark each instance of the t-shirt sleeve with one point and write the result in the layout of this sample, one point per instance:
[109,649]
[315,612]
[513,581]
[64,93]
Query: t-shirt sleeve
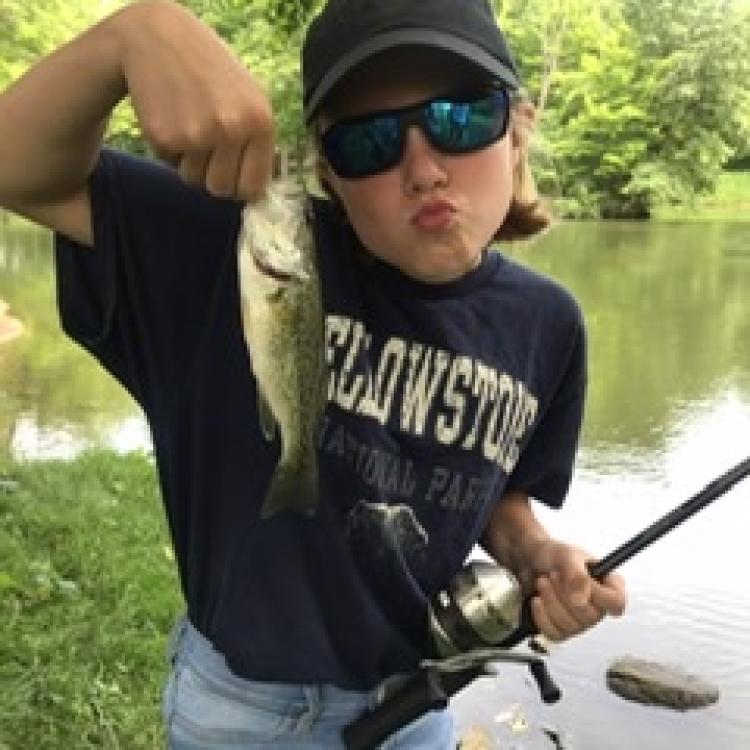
[138,301]
[545,467]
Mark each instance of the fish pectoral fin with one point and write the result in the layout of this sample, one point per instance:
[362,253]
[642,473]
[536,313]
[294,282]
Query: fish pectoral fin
[266,419]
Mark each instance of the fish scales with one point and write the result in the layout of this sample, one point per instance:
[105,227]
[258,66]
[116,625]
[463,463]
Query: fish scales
[282,316]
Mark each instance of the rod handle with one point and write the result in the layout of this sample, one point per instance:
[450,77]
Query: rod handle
[423,692]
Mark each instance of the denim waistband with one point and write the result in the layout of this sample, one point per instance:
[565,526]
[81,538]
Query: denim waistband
[188,644]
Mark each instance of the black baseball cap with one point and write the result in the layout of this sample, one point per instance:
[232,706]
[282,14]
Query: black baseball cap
[347,32]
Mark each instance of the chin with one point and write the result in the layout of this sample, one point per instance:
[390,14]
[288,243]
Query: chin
[442,273]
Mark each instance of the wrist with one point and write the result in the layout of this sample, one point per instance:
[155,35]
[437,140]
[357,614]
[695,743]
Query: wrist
[514,537]
[134,29]
[108,43]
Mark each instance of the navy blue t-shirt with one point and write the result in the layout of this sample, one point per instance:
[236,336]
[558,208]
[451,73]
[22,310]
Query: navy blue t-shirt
[441,397]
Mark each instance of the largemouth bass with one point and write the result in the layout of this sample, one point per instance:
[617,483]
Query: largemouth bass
[282,316]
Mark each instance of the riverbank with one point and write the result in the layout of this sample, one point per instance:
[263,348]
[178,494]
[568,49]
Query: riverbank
[730,202]
[87,593]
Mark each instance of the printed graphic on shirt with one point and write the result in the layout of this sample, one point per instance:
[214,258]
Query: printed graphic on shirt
[469,417]
[449,399]
[389,529]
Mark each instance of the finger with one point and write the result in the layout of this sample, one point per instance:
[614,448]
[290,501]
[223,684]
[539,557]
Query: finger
[574,585]
[223,169]
[256,168]
[193,166]
[563,622]
[168,157]
[611,595]
[571,616]
[543,622]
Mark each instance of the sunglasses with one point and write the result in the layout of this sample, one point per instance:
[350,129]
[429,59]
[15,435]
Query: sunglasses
[370,144]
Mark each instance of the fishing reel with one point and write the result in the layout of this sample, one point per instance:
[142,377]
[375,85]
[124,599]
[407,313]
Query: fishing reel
[480,608]
[475,620]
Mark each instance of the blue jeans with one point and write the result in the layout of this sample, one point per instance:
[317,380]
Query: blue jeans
[207,707]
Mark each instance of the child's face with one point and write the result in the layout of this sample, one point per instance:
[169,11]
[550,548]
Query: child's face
[432,214]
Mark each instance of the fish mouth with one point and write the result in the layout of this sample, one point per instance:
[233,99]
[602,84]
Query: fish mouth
[274,273]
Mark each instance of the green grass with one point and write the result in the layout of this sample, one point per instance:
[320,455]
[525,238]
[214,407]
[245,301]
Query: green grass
[88,593]
[730,202]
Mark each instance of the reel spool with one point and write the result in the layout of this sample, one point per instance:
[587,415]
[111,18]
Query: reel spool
[480,608]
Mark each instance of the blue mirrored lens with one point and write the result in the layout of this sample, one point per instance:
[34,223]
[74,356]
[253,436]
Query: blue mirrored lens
[458,127]
[368,145]
[361,148]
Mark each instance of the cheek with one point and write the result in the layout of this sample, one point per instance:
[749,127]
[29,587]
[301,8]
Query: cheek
[488,180]
[371,204]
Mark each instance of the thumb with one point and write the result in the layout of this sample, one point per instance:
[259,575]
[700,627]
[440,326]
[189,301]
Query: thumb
[576,581]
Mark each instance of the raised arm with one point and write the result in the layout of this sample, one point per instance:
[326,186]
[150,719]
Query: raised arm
[198,107]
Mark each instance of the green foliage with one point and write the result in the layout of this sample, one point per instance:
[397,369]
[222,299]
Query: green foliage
[640,103]
[730,202]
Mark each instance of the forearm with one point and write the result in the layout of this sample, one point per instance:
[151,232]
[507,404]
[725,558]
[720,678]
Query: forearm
[512,534]
[198,106]
[53,118]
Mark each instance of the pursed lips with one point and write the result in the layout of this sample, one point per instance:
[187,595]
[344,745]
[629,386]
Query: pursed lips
[435,214]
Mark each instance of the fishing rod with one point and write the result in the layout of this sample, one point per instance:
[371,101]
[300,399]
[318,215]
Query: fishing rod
[601,568]
[485,598]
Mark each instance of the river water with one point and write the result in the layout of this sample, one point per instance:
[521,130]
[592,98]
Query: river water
[668,310]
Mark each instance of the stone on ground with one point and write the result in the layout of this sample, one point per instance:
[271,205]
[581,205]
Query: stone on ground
[652,683]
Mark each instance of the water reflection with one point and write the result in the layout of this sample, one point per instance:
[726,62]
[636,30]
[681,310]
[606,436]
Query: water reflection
[669,318]
[54,399]
[690,603]
[669,410]
[31,441]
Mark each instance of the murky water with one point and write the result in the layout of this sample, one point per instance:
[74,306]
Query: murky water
[668,308]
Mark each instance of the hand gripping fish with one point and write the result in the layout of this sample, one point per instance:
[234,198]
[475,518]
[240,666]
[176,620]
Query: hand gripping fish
[282,315]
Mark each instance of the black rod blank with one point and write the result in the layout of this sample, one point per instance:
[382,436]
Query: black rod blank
[668,522]
[639,542]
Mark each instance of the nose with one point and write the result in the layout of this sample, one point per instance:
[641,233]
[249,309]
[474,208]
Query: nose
[422,166]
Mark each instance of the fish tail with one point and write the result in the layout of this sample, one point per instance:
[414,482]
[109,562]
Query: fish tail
[292,488]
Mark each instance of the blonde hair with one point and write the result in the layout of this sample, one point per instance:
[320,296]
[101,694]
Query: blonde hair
[528,215]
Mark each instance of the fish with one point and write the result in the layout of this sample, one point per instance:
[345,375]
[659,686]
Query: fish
[283,321]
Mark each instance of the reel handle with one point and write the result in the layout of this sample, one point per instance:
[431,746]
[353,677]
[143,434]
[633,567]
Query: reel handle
[547,688]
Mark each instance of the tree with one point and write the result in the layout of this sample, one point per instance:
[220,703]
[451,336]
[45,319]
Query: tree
[695,58]
[640,103]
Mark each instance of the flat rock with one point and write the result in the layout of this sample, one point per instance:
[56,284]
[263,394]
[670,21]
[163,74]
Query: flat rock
[652,683]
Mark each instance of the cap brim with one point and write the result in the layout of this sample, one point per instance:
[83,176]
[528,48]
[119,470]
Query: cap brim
[408,37]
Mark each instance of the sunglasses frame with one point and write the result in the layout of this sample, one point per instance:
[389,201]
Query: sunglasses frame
[414,115]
